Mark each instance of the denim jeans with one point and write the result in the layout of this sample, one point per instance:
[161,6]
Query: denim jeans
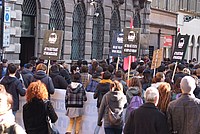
[113,130]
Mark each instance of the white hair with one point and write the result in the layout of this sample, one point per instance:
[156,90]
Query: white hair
[151,94]
[188,84]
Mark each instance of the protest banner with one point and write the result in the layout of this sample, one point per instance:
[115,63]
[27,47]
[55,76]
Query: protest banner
[180,47]
[52,44]
[157,59]
[131,42]
[58,100]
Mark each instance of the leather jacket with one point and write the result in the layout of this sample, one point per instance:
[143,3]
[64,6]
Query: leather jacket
[184,115]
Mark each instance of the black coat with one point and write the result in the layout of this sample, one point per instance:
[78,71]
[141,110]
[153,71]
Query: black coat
[41,75]
[147,119]
[58,80]
[27,76]
[34,116]
[15,88]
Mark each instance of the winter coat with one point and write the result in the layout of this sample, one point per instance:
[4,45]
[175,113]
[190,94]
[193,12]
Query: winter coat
[75,95]
[102,88]
[132,91]
[74,100]
[58,80]
[15,88]
[27,76]
[41,75]
[65,73]
[147,119]
[8,124]
[34,116]
[116,101]
[183,115]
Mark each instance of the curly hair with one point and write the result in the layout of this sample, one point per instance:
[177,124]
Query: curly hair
[164,96]
[36,90]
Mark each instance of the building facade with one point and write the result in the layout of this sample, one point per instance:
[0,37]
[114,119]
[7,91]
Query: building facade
[188,20]
[88,26]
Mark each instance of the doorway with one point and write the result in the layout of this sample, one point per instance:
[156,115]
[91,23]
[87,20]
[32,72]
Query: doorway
[27,49]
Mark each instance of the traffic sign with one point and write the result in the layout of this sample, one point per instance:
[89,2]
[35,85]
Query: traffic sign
[6,27]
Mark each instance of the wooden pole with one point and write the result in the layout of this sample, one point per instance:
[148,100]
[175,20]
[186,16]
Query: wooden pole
[48,66]
[117,65]
[129,64]
[174,72]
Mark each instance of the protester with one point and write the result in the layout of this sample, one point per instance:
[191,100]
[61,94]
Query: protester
[147,119]
[27,74]
[119,77]
[133,94]
[64,71]
[7,119]
[85,76]
[176,92]
[40,74]
[74,100]
[113,101]
[179,72]
[164,90]
[58,81]
[37,109]
[93,66]
[3,68]
[183,117]
[103,87]
[13,86]
[158,79]
[146,80]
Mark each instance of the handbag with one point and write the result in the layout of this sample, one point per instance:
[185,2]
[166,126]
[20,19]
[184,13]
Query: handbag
[50,126]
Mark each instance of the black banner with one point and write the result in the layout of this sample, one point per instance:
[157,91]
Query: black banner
[52,44]
[131,41]
[180,47]
[117,44]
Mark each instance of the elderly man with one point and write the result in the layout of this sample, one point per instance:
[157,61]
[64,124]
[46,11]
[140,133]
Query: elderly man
[147,119]
[183,113]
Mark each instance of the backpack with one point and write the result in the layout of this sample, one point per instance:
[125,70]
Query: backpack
[135,103]
[91,87]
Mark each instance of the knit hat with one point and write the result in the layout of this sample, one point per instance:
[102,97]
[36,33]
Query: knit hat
[188,84]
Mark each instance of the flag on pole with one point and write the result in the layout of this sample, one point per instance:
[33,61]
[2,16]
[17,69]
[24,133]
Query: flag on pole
[126,61]
[131,22]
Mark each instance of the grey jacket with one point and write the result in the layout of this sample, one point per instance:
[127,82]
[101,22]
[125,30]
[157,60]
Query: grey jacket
[184,115]
[116,101]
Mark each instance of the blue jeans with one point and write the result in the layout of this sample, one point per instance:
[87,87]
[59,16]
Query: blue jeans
[113,130]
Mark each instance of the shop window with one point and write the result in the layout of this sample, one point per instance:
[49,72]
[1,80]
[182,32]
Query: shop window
[78,32]
[98,32]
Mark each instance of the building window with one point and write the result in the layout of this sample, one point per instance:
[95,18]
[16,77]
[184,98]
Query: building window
[28,18]
[78,32]
[137,22]
[114,23]
[98,33]
[198,6]
[57,15]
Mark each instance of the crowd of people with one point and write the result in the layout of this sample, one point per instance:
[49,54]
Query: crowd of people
[162,104]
